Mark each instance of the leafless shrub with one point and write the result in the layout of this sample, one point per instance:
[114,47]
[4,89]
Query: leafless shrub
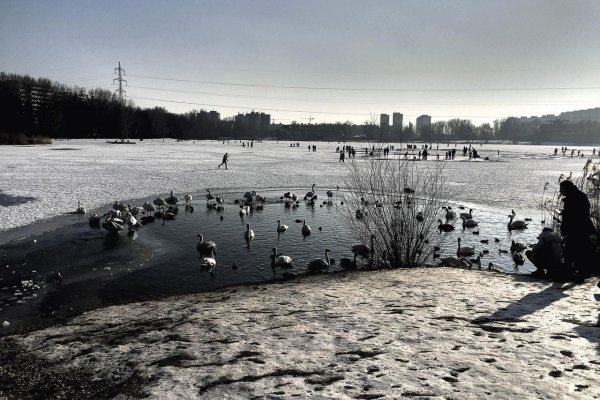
[398,201]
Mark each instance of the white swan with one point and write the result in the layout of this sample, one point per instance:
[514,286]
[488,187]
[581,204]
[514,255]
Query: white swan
[515,225]
[208,262]
[80,210]
[280,260]
[455,262]
[305,228]
[318,264]
[468,215]
[362,249]
[172,199]
[280,227]
[469,223]
[249,234]
[208,247]
[309,195]
[187,198]
[445,227]
[149,207]
[464,251]
[349,263]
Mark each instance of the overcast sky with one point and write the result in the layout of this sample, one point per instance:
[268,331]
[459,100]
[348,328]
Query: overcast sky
[328,60]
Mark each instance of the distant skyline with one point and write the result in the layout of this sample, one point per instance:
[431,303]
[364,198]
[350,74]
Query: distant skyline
[319,61]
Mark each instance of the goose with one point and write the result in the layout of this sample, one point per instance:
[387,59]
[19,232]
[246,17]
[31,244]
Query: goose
[468,215]
[310,194]
[280,260]
[172,199]
[249,234]
[94,221]
[464,251]
[208,247]
[135,210]
[362,249]
[149,207]
[476,261]
[318,264]
[517,246]
[469,223]
[158,202]
[514,225]
[80,210]
[455,262]
[219,199]
[305,228]
[349,263]
[445,227]
[280,227]
[187,198]
[249,196]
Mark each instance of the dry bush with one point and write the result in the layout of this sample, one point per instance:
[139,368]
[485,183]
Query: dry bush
[403,222]
[588,182]
[22,139]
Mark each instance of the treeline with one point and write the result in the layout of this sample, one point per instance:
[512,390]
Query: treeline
[40,108]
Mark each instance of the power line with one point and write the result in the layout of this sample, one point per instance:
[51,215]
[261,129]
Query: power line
[352,101]
[365,89]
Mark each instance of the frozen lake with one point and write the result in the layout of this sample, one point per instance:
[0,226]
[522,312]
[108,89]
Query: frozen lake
[41,185]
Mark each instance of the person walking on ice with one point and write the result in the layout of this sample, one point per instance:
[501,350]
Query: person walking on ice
[225,158]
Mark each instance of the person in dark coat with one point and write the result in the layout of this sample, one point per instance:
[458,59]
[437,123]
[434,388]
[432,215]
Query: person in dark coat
[225,159]
[576,228]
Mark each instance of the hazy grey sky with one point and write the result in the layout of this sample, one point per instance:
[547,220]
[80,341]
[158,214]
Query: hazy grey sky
[329,60]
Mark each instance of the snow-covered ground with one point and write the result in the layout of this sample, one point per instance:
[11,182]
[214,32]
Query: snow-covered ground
[421,333]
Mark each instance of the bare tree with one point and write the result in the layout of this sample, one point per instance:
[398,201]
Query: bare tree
[397,201]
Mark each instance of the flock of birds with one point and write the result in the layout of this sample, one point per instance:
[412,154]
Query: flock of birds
[123,216]
[464,254]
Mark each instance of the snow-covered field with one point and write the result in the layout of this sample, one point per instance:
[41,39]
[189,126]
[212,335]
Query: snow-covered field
[96,173]
[421,333]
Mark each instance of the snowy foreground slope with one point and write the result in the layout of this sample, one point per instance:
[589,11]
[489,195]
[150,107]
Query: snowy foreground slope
[420,333]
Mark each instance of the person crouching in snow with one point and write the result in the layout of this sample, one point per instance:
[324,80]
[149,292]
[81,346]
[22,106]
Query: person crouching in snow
[546,255]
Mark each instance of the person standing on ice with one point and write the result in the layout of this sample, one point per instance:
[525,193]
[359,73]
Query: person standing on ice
[225,158]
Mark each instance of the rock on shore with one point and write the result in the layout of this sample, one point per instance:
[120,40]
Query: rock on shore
[422,333]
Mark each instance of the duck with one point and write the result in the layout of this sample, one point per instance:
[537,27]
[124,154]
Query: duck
[445,227]
[318,264]
[249,233]
[208,247]
[281,227]
[209,196]
[515,225]
[280,260]
[517,246]
[464,251]
[80,210]
[519,259]
[362,249]
[305,228]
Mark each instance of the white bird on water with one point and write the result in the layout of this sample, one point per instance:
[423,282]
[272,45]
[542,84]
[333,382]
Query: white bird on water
[281,227]
[280,260]
[305,228]
[249,234]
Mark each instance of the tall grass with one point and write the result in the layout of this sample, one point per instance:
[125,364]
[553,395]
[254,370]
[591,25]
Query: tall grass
[22,139]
